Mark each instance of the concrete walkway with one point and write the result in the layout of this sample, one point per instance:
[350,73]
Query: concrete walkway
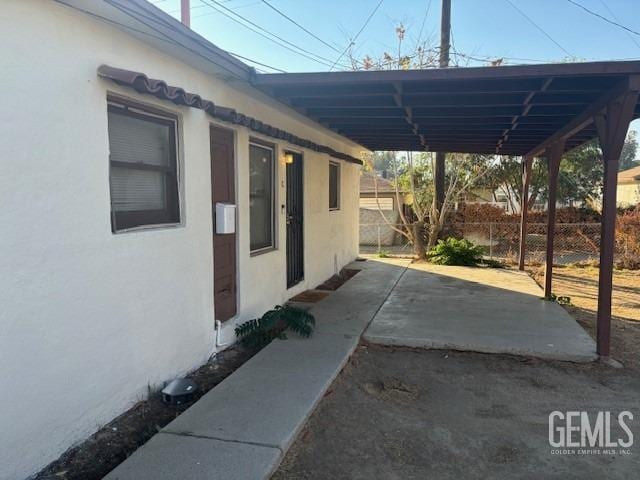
[481,310]
[242,428]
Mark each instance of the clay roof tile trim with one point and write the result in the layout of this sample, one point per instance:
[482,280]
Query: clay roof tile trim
[141,83]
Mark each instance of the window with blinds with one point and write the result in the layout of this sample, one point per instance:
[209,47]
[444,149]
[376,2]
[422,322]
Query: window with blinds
[143,168]
[334,186]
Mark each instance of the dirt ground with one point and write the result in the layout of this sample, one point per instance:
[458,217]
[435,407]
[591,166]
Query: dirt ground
[415,414]
[399,413]
[112,444]
[581,285]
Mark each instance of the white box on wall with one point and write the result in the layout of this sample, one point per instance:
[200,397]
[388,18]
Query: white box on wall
[225,218]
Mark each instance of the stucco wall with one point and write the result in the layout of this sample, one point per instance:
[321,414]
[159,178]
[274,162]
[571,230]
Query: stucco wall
[90,319]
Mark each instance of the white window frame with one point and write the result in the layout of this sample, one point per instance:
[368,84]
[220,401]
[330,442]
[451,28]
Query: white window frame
[133,105]
[338,189]
[274,190]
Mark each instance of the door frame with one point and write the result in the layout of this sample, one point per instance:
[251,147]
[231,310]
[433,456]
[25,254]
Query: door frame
[300,157]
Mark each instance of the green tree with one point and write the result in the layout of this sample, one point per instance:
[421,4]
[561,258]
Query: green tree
[629,151]
[505,175]
[383,161]
[579,180]
[413,174]
[581,175]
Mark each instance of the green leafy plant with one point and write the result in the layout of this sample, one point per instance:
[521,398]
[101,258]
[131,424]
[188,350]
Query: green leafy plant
[560,300]
[383,254]
[456,252]
[258,332]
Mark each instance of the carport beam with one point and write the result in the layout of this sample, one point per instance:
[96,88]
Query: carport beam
[524,209]
[612,125]
[554,155]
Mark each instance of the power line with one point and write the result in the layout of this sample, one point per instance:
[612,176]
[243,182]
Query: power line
[235,7]
[300,26]
[165,37]
[262,64]
[135,14]
[424,20]
[202,5]
[254,27]
[633,39]
[539,28]
[279,70]
[595,14]
[490,58]
[353,41]
[141,32]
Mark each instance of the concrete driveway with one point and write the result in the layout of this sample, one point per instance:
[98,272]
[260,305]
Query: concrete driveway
[477,309]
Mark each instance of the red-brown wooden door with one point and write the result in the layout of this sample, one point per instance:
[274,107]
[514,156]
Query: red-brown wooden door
[224,246]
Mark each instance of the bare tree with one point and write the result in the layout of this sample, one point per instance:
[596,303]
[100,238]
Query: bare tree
[409,229]
[463,172]
[415,177]
[424,209]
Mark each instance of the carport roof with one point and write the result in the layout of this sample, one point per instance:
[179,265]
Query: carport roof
[513,110]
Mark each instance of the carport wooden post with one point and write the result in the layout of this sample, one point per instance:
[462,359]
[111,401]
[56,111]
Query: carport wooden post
[612,125]
[554,155]
[524,209]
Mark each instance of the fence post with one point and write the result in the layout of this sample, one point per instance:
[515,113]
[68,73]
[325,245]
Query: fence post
[379,243]
[491,241]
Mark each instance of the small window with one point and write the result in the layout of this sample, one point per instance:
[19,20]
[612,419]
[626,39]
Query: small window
[143,168]
[334,186]
[261,197]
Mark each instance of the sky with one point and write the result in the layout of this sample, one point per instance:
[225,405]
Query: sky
[555,30]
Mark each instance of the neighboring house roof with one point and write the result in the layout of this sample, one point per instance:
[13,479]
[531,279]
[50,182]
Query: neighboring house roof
[629,176]
[367,184]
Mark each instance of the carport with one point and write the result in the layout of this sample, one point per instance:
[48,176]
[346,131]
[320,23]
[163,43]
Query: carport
[528,111]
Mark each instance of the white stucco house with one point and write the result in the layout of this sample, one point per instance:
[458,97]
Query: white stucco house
[122,130]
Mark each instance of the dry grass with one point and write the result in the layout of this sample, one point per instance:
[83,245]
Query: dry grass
[581,285]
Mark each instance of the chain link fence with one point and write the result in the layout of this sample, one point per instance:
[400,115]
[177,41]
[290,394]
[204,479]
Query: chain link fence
[573,242]
[384,239]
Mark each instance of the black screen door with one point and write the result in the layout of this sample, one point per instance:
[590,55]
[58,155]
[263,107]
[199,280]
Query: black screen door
[295,240]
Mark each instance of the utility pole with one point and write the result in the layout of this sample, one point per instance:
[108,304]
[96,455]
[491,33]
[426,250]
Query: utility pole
[185,13]
[445,44]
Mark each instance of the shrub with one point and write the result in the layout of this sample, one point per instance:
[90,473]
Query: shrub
[566,215]
[259,332]
[455,252]
[481,213]
[628,239]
